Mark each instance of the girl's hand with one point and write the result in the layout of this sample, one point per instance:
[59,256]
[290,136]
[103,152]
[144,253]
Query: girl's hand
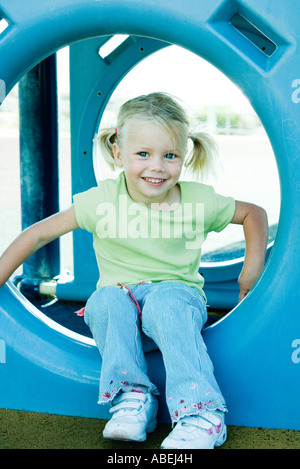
[255,224]
[33,238]
[247,280]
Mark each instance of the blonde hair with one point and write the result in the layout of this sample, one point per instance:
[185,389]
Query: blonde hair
[167,113]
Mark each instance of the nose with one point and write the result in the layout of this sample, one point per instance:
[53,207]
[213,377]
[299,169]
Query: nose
[156,164]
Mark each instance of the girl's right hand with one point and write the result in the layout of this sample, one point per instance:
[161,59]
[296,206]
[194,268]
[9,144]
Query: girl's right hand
[33,238]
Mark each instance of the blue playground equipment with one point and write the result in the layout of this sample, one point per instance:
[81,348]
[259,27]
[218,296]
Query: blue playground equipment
[255,348]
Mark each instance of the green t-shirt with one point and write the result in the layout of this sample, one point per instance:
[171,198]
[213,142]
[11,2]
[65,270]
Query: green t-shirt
[135,243]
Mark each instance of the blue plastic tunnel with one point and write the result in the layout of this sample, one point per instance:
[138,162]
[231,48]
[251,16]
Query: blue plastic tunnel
[46,368]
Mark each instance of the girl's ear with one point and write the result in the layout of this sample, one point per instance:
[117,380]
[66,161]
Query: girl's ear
[117,156]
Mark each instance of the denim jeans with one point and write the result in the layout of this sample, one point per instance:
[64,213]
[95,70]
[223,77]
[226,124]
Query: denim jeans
[173,315]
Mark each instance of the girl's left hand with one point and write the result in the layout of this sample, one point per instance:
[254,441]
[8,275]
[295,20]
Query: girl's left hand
[255,223]
[244,290]
[247,281]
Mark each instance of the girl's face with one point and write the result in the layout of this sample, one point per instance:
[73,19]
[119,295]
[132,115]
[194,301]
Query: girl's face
[152,162]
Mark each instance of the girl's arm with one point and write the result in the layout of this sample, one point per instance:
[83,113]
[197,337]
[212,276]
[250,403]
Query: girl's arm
[33,238]
[255,225]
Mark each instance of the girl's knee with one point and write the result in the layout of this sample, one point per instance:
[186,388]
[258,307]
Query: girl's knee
[159,306]
[103,296]
[167,298]
[109,303]
[171,303]
[97,305]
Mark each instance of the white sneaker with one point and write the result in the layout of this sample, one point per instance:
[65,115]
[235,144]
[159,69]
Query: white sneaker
[204,431]
[134,415]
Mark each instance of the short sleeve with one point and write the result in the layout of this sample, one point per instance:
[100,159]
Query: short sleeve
[85,204]
[224,212]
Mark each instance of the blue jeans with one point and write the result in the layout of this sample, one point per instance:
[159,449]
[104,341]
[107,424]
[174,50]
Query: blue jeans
[173,315]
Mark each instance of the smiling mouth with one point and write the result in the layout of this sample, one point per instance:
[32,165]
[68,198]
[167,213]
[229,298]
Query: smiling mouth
[154,181]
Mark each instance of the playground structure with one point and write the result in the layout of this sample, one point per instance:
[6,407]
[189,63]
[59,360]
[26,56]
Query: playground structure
[46,368]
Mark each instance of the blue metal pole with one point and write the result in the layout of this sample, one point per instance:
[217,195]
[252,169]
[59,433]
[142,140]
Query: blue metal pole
[39,162]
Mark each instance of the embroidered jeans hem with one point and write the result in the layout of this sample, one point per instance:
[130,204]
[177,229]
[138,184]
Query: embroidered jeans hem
[108,397]
[196,409]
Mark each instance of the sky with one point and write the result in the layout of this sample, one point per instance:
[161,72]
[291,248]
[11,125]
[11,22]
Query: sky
[178,71]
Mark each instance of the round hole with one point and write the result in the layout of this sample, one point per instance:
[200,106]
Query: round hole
[248,169]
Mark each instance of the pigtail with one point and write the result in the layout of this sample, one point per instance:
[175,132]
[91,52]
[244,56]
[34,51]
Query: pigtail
[106,138]
[203,157]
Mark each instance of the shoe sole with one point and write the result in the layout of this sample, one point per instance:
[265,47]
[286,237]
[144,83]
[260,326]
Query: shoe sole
[122,435]
[219,442]
[222,438]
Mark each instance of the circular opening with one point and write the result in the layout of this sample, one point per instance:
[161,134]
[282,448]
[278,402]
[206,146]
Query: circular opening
[247,168]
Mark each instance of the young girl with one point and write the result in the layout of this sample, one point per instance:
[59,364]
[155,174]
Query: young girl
[148,231]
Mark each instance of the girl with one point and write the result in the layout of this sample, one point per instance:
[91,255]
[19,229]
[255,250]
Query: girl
[148,230]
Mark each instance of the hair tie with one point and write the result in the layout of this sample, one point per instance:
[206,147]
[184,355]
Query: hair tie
[116,130]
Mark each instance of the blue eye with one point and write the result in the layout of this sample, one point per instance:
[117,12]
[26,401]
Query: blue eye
[170,156]
[143,154]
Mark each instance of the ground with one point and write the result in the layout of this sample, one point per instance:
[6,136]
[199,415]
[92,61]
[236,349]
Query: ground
[31,430]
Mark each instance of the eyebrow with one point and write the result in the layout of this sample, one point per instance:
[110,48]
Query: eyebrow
[144,148]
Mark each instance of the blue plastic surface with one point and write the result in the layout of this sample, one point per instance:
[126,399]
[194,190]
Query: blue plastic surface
[255,349]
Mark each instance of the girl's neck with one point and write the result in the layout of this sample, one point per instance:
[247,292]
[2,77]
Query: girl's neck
[171,203]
